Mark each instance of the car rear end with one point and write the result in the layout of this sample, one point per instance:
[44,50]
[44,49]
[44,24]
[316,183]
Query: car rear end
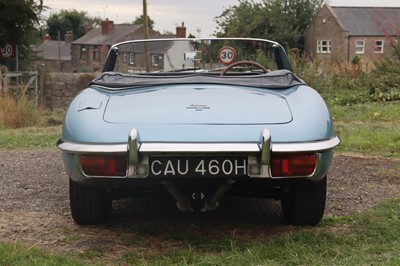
[198,135]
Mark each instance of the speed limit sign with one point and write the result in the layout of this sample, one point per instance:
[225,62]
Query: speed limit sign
[227,55]
[7,51]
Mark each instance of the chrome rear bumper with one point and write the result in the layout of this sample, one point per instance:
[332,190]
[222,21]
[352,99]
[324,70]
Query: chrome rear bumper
[138,153]
[179,147]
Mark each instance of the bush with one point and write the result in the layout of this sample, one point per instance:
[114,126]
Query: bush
[350,84]
[384,83]
[16,110]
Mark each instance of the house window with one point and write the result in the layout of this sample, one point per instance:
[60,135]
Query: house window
[155,59]
[83,53]
[378,47]
[96,53]
[125,58]
[360,45]
[131,58]
[324,46]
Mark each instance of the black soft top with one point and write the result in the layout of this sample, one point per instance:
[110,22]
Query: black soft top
[278,79]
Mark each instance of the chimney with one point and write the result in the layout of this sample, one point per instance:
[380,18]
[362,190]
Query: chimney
[89,28]
[107,26]
[69,37]
[46,37]
[181,31]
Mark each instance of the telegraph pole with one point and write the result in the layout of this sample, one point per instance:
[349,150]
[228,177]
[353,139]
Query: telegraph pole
[145,20]
[146,35]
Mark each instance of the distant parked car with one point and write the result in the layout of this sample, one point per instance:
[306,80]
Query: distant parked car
[199,118]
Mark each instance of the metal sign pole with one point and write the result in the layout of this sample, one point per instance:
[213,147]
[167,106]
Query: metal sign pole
[16,58]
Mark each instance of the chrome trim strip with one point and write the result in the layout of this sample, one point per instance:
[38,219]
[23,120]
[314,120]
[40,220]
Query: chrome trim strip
[73,147]
[320,145]
[199,147]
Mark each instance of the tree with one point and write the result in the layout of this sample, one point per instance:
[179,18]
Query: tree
[18,22]
[139,20]
[70,20]
[244,20]
[290,18]
[283,21]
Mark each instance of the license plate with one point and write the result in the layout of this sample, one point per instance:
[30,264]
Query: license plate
[198,166]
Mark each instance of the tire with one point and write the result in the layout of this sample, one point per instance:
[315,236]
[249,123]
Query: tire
[89,205]
[305,205]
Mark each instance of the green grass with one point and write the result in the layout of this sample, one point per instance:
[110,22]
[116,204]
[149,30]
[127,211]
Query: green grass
[14,254]
[368,128]
[367,112]
[368,238]
[29,137]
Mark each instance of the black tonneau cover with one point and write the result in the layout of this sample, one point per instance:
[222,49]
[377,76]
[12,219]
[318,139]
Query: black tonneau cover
[278,79]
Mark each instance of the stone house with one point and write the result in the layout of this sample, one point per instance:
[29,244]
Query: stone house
[55,56]
[342,34]
[90,51]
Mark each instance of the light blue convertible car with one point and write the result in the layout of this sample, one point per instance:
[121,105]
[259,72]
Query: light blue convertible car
[199,118]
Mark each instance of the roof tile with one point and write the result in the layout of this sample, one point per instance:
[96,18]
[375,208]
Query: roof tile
[369,21]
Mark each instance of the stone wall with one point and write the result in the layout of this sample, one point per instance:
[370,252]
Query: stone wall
[58,89]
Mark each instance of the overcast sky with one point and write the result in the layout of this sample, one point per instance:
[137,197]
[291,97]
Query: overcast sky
[198,16]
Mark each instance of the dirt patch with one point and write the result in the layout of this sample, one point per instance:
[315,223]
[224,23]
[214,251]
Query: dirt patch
[34,207]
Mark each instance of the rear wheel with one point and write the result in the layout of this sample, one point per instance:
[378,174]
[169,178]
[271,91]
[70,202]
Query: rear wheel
[89,205]
[305,205]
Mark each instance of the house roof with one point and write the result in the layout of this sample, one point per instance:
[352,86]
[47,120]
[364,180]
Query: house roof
[49,50]
[120,33]
[369,21]
[153,47]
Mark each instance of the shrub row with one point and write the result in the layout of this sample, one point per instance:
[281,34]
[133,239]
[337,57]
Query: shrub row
[350,84]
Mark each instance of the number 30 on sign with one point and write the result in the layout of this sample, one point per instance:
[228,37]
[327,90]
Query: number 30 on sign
[227,55]
[7,51]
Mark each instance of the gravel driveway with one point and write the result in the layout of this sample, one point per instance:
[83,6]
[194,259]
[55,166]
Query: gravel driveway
[34,206]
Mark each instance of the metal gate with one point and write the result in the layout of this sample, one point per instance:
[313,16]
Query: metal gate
[24,80]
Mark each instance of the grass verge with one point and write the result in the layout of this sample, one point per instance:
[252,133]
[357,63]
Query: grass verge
[29,137]
[368,128]
[18,255]
[367,238]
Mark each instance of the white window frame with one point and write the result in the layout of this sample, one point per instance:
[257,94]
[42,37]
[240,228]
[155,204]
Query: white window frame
[155,59]
[131,58]
[378,48]
[360,47]
[324,46]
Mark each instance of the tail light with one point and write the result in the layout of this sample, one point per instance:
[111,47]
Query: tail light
[103,165]
[293,165]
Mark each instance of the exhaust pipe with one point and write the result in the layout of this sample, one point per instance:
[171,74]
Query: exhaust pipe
[212,203]
[183,203]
